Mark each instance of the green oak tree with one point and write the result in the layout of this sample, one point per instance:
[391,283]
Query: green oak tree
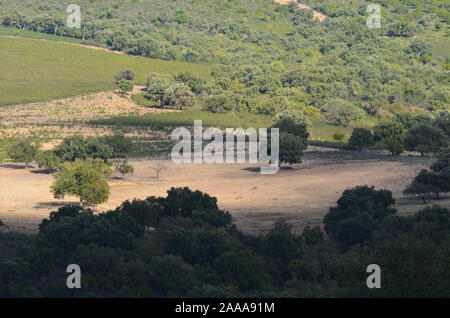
[22,151]
[360,138]
[84,179]
[424,139]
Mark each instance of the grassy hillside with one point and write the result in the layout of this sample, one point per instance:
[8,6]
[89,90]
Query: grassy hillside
[265,57]
[186,118]
[35,70]
[319,130]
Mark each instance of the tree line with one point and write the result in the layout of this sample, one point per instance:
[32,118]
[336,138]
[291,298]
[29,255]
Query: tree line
[183,245]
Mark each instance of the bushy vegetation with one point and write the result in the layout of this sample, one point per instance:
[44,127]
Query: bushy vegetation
[79,147]
[338,67]
[294,129]
[23,151]
[84,179]
[184,245]
[422,133]
[425,138]
[390,134]
[429,183]
[360,138]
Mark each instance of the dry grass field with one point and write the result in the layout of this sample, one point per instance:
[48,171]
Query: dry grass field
[65,117]
[301,194]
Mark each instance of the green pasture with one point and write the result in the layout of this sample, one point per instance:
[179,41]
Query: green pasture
[320,130]
[35,70]
[186,118]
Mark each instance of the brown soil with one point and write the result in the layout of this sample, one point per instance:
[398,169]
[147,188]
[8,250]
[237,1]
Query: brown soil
[55,119]
[317,14]
[301,196]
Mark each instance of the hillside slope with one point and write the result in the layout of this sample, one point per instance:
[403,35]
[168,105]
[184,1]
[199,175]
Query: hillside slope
[36,70]
[267,57]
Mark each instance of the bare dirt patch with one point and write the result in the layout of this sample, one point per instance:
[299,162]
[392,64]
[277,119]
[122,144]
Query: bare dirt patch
[75,109]
[317,15]
[64,117]
[301,196]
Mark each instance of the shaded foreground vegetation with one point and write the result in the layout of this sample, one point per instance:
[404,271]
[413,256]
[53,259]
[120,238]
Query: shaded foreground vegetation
[184,245]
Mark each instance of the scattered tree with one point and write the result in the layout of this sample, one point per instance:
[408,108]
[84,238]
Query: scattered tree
[22,151]
[48,159]
[128,75]
[424,138]
[157,85]
[360,138]
[434,181]
[158,168]
[338,136]
[294,129]
[291,148]
[124,86]
[390,135]
[420,190]
[123,167]
[358,212]
[340,112]
[394,146]
[121,145]
[124,81]
[84,179]
[443,160]
[179,95]
[293,122]
[78,147]
[430,179]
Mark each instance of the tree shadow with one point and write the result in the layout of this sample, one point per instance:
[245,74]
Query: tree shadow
[43,171]
[52,204]
[13,166]
[258,169]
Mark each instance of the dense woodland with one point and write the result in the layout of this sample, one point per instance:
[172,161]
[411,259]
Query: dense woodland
[268,57]
[184,245]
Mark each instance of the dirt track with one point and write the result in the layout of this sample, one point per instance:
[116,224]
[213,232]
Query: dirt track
[317,14]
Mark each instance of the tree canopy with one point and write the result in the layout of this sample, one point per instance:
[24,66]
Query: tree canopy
[84,179]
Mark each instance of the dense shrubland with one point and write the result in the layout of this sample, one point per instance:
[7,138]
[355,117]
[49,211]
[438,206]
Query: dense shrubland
[184,245]
[425,16]
[79,147]
[416,132]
